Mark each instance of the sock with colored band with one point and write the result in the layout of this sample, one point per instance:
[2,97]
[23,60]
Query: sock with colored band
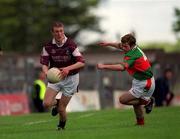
[140,121]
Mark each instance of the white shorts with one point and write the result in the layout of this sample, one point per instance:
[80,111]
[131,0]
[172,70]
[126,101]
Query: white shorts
[143,89]
[68,86]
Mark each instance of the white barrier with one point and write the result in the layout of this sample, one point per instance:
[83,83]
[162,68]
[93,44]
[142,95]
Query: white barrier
[83,101]
[118,105]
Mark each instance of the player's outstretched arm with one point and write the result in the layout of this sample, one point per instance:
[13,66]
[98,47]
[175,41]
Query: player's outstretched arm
[65,71]
[112,44]
[116,67]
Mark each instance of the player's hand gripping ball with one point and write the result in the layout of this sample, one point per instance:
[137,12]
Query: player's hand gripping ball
[54,75]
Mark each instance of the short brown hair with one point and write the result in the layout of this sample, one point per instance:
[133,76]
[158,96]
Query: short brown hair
[56,24]
[130,39]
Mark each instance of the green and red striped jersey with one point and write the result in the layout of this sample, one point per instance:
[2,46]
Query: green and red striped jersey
[137,64]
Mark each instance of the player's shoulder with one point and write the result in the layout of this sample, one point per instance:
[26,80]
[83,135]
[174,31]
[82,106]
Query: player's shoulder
[138,52]
[47,44]
[71,44]
[70,41]
[134,53]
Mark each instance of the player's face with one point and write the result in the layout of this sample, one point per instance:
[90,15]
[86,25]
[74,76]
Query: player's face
[126,47]
[58,34]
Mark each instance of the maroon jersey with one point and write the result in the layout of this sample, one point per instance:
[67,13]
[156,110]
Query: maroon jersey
[61,56]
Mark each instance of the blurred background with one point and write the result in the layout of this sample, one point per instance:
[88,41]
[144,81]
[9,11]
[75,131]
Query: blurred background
[25,26]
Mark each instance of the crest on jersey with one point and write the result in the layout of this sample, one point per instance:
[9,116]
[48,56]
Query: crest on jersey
[68,52]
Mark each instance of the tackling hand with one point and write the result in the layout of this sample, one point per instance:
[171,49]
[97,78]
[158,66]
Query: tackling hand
[103,44]
[100,66]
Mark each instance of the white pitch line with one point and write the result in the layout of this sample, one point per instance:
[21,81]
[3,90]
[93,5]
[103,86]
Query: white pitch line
[46,121]
[37,122]
[86,115]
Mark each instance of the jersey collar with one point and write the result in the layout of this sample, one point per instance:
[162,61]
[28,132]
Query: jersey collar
[63,42]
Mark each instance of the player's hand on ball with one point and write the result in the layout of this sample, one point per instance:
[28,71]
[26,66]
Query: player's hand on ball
[64,72]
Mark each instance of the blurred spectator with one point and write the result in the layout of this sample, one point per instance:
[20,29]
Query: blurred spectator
[162,94]
[39,89]
[107,94]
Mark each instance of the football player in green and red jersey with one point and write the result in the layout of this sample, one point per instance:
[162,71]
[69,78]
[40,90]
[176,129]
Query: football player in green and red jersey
[138,66]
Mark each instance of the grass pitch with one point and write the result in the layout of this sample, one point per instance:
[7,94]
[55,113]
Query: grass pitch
[162,123]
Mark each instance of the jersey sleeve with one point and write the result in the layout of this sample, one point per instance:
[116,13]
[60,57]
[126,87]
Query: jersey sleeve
[44,58]
[76,53]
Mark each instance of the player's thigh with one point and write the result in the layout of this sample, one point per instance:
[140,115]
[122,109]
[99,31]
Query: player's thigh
[49,96]
[126,97]
[64,101]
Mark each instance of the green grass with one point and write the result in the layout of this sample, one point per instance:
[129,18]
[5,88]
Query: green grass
[162,123]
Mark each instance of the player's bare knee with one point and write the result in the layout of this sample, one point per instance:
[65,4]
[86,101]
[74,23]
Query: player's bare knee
[122,100]
[61,109]
[46,104]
